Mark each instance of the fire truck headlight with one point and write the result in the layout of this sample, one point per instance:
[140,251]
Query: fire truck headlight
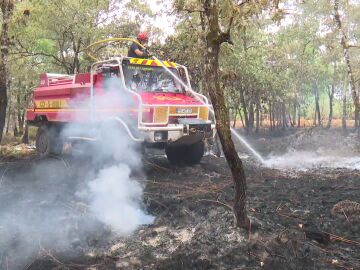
[160,136]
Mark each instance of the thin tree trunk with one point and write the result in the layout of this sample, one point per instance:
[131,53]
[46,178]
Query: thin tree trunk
[25,138]
[214,38]
[357,115]
[356,118]
[294,112]
[257,115]
[241,118]
[8,117]
[16,131]
[344,44]
[20,118]
[331,98]
[251,116]
[244,107]
[299,115]
[290,120]
[234,120]
[283,116]
[274,113]
[6,7]
[317,105]
[344,104]
[271,116]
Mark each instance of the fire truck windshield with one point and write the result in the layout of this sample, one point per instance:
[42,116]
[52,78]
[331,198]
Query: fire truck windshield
[151,79]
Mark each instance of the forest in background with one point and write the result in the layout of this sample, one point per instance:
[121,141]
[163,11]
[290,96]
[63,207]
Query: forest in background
[267,66]
[293,64]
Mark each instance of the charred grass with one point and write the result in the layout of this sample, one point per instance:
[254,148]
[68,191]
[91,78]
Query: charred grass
[294,226]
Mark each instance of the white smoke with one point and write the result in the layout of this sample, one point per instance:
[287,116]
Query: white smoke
[116,199]
[58,203]
[305,160]
[113,196]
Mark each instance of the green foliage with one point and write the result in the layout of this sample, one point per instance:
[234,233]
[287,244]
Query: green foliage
[51,36]
[279,53]
[278,57]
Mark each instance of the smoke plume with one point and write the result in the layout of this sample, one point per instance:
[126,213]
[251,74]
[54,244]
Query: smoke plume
[60,203]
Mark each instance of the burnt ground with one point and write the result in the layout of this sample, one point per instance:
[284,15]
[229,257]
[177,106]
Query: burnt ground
[294,225]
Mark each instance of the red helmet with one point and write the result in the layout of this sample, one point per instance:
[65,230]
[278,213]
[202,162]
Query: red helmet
[143,36]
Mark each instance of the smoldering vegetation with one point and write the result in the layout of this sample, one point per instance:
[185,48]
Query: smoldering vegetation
[302,216]
[38,212]
[308,149]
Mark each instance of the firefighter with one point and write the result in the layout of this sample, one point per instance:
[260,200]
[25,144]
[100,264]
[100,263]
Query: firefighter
[136,50]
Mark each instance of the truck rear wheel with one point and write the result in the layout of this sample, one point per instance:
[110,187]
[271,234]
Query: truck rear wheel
[48,141]
[185,154]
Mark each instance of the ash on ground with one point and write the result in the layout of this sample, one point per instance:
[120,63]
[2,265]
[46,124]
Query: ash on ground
[302,217]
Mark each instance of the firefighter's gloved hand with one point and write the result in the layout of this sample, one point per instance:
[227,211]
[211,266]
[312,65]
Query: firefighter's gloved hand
[148,54]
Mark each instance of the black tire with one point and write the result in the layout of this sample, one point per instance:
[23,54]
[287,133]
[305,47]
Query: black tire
[186,154]
[48,141]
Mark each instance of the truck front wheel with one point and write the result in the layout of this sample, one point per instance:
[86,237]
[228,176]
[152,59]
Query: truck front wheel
[47,141]
[185,154]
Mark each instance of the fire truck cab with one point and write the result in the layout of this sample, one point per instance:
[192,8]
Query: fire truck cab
[150,100]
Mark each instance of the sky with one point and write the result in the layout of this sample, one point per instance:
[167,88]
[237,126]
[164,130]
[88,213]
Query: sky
[163,20]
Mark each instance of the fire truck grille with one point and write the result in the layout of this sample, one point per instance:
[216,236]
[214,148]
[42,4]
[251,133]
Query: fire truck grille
[196,128]
[164,114]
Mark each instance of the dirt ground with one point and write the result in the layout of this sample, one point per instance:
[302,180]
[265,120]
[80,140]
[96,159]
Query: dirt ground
[296,225]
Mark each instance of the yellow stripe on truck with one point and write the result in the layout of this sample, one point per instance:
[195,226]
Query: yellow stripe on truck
[149,62]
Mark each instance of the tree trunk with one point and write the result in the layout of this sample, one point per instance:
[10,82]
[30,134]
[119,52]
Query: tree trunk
[344,104]
[214,38]
[317,105]
[331,98]
[6,7]
[251,116]
[294,112]
[299,116]
[244,107]
[344,44]
[20,118]
[357,116]
[8,118]
[16,131]
[270,116]
[283,116]
[291,120]
[257,113]
[273,115]
[25,138]
[241,118]
[235,118]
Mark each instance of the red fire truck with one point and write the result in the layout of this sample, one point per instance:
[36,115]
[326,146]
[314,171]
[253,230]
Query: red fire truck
[150,100]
